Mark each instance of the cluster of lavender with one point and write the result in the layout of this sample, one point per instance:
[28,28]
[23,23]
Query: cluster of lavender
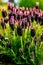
[27,16]
[22,14]
[24,18]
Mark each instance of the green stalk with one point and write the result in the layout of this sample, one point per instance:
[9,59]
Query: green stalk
[25,32]
[21,43]
[14,34]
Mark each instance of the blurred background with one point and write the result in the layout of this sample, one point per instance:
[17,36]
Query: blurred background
[26,3]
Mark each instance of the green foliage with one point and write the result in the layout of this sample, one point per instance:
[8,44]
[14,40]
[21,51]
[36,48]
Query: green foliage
[30,3]
[21,42]
[11,1]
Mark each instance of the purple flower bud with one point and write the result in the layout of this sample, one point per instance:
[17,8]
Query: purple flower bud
[32,18]
[36,17]
[30,9]
[9,3]
[24,12]
[10,6]
[4,13]
[10,14]
[21,13]
[27,12]
[32,32]
[2,19]
[12,26]
[36,7]
[24,19]
[35,40]
[14,10]
[23,24]
[19,30]
[36,11]
[6,20]
[3,24]
[18,17]
[11,20]
[39,17]
[18,12]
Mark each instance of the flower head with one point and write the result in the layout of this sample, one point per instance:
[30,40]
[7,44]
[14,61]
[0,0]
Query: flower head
[11,20]
[4,13]
[35,39]
[32,32]
[19,30]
